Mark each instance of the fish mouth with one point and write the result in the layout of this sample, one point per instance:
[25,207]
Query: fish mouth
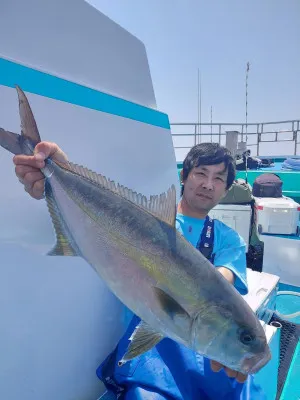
[254,364]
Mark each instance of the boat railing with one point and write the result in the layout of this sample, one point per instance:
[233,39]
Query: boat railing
[272,139]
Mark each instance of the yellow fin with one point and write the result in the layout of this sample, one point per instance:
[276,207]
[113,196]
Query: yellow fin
[63,247]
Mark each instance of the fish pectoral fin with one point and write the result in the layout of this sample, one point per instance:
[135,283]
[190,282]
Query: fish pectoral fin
[143,339]
[170,305]
[162,206]
[63,247]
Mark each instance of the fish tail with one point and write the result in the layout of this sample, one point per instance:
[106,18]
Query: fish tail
[29,138]
[11,141]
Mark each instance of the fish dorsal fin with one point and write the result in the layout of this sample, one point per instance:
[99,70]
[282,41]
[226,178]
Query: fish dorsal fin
[28,125]
[162,206]
[63,247]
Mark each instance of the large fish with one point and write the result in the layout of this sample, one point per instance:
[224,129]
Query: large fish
[132,243]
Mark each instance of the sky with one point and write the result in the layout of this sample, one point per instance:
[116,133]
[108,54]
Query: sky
[218,37]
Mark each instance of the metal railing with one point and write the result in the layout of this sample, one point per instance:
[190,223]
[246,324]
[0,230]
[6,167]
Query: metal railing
[271,139]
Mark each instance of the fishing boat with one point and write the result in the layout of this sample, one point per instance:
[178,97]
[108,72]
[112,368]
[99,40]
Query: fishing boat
[89,85]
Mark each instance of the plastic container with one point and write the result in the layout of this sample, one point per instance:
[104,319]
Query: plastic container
[277,215]
[236,216]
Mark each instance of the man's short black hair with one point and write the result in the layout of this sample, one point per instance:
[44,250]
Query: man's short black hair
[209,154]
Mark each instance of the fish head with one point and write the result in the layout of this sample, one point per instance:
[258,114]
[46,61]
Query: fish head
[232,335]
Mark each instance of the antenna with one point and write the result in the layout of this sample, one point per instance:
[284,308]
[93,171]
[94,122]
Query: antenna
[211,123]
[199,106]
[247,73]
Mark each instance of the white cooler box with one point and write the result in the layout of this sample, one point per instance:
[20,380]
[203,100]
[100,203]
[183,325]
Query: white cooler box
[236,216]
[277,215]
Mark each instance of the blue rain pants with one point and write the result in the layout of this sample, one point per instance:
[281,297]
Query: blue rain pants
[170,371]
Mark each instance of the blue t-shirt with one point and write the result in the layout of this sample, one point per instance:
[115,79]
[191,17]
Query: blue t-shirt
[229,247]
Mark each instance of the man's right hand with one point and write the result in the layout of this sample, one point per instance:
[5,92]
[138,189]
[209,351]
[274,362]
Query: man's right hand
[28,167]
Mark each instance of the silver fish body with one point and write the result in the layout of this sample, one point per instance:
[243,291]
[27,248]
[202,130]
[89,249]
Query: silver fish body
[133,245]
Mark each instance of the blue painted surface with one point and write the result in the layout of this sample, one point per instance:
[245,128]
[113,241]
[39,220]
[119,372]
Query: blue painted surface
[33,81]
[267,377]
[292,388]
[291,288]
[292,237]
[288,304]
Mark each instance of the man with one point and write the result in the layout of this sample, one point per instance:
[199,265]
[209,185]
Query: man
[169,370]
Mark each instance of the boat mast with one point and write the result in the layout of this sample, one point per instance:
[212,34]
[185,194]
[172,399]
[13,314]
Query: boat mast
[199,107]
[246,110]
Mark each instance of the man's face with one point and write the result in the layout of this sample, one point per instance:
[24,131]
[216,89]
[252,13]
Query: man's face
[205,186]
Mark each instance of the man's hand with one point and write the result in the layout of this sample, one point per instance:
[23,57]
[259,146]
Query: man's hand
[28,167]
[215,366]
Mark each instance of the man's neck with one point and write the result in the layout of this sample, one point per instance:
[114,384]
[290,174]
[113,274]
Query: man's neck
[184,209]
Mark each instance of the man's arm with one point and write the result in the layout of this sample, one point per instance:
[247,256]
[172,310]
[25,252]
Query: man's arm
[230,258]
[227,273]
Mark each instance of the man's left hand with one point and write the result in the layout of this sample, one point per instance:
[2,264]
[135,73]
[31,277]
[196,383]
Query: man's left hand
[216,367]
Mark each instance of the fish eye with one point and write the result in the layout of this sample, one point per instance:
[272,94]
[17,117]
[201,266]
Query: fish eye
[246,337]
